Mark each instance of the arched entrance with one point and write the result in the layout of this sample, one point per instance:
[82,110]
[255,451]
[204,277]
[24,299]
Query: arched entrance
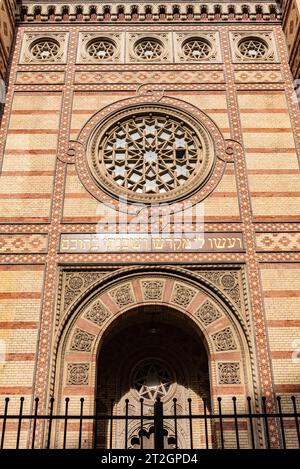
[197,311]
[154,352]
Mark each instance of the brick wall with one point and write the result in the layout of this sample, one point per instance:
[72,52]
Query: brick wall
[43,195]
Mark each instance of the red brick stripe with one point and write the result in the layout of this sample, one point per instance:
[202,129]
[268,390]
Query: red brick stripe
[290,388]
[19,325]
[277,218]
[15,267]
[266,129]
[282,293]
[35,111]
[25,196]
[270,150]
[19,295]
[272,171]
[261,111]
[284,322]
[32,131]
[229,390]
[6,390]
[16,357]
[284,355]
[96,219]
[24,219]
[30,152]
[27,173]
[271,193]
[264,92]
[44,93]
[283,265]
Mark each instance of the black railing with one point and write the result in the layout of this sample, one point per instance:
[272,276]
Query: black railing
[251,429]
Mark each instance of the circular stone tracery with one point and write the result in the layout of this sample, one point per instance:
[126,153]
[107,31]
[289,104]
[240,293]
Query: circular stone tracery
[151,156]
[196,49]
[101,49]
[45,49]
[148,49]
[253,48]
[152,379]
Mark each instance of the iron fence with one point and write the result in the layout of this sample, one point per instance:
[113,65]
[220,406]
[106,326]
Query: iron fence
[212,427]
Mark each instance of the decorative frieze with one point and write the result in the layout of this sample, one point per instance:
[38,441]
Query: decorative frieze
[187,12]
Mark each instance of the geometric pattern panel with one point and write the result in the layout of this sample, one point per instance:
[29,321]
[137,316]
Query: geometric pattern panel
[40,77]
[258,76]
[97,49]
[198,47]
[23,243]
[44,47]
[253,46]
[128,76]
[278,241]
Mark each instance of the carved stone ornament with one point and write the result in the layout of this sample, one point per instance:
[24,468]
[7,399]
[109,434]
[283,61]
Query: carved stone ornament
[149,48]
[152,289]
[253,46]
[228,282]
[44,47]
[78,374]
[182,295]
[122,295]
[99,48]
[82,341]
[97,313]
[229,373]
[224,340]
[208,313]
[195,47]
[76,283]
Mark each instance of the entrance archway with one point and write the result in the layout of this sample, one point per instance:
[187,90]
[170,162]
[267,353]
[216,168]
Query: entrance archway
[179,296]
[155,352]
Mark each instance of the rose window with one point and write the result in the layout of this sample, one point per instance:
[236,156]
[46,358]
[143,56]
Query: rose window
[196,49]
[150,155]
[148,49]
[152,380]
[252,48]
[45,50]
[101,49]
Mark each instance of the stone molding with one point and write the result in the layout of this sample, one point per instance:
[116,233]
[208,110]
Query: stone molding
[132,12]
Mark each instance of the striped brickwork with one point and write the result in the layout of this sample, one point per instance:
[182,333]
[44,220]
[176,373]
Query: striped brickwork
[45,192]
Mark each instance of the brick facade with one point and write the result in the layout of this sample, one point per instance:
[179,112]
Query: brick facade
[53,269]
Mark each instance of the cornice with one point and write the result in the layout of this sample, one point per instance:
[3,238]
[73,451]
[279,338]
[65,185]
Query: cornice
[264,11]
